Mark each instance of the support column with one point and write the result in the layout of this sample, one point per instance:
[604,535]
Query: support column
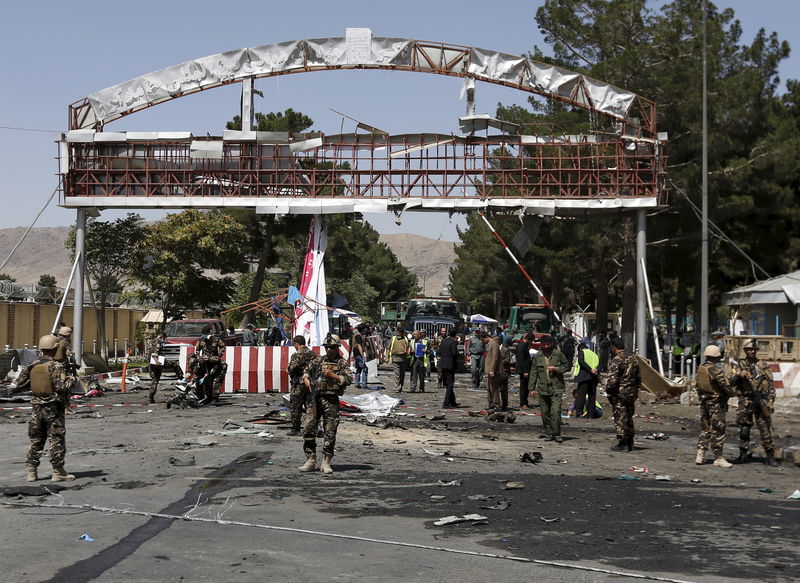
[247,105]
[641,298]
[77,311]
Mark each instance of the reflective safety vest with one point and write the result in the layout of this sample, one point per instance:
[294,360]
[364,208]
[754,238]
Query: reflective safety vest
[41,383]
[590,358]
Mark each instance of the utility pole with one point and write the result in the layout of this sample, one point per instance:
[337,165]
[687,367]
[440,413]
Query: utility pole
[704,209]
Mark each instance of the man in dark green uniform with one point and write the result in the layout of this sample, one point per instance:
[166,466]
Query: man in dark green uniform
[547,381]
[51,386]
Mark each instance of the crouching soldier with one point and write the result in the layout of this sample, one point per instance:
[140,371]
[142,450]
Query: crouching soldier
[326,377]
[51,386]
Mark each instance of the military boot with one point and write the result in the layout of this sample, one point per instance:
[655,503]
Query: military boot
[622,445]
[326,465]
[310,465]
[771,461]
[629,443]
[60,475]
[152,398]
[33,474]
[742,456]
[701,456]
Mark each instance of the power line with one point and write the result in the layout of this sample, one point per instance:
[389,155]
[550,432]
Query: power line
[28,230]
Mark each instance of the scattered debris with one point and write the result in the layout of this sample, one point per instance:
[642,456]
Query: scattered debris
[489,437]
[503,417]
[32,490]
[479,497]
[237,431]
[543,519]
[625,477]
[265,434]
[502,504]
[765,490]
[456,519]
[85,537]
[664,478]
[398,441]
[638,469]
[795,495]
[532,457]
[436,498]
[696,480]
[131,485]
[203,440]
[514,486]
[437,417]
[657,436]
[176,462]
[118,449]
[367,442]
[450,483]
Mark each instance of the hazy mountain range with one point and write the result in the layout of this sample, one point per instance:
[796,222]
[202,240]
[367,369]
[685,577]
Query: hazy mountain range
[43,252]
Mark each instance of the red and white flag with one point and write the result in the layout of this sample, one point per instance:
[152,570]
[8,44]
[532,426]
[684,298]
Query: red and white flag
[312,323]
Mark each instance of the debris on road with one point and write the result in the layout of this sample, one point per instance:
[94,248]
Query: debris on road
[531,457]
[657,436]
[85,537]
[176,462]
[514,486]
[543,519]
[625,477]
[450,483]
[502,504]
[795,495]
[456,519]
[663,478]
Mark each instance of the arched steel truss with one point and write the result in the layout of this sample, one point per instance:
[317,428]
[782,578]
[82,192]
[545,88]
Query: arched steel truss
[371,172]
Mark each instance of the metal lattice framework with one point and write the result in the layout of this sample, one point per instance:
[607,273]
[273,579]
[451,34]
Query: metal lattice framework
[373,171]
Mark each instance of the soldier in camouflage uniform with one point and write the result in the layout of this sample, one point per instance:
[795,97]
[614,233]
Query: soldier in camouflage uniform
[64,353]
[622,388]
[299,392]
[756,391]
[714,390]
[208,367]
[51,386]
[326,377]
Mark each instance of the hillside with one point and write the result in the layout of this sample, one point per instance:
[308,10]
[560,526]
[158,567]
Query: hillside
[43,252]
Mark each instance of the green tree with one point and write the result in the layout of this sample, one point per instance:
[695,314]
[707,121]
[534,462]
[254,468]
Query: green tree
[109,260]
[6,277]
[46,280]
[184,259]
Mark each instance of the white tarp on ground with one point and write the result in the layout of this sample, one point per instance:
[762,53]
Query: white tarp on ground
[375,402]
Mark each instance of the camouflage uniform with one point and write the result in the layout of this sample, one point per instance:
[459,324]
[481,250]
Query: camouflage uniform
[299,392]
[713,389]
[64,354]
[208,366]
[326,403]
[748,410]
[51,387]
[622,388]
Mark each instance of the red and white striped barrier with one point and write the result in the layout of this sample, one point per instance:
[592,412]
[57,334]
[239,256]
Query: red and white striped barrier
[256,369]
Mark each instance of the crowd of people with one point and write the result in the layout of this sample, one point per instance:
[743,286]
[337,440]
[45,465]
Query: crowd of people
[540,362]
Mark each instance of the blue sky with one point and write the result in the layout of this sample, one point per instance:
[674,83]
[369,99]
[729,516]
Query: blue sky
[59,52]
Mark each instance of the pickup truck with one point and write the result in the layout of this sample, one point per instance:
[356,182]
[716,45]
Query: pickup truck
[188,332]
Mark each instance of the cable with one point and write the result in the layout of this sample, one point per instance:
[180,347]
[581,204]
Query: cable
[187,518]
[25,234]
[721,234]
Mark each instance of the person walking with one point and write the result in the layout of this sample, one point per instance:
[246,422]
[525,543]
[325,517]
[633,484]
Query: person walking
[547,382]
[622,388]
[714,391]
[397,354]
[420,351]
[448,357]
[156,365]
[50,385]
[587,376]
[477,348]
[359,353]
[523,368]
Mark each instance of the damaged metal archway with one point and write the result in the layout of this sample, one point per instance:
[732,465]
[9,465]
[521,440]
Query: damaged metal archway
[616,170]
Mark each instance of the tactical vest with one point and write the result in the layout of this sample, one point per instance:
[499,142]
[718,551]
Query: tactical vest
[61,351]
[704,380]
[41,383]
[326,385]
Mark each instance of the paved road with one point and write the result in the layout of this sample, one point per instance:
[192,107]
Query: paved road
[161,510]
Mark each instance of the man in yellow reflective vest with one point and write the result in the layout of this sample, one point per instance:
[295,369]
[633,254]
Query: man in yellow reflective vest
[587,376]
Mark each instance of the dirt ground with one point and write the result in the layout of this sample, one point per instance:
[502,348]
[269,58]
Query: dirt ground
[573,518]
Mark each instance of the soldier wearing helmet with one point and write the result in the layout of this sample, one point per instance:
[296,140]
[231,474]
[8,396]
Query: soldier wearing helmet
[756,391]
[64,353]
[51,385]
[326,377]
[714,390]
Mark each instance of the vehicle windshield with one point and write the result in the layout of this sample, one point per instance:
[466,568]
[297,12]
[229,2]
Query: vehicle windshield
[441,308]
[536,319]
[181,329]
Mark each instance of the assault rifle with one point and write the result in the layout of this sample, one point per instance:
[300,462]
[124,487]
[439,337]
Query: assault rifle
[757,397]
